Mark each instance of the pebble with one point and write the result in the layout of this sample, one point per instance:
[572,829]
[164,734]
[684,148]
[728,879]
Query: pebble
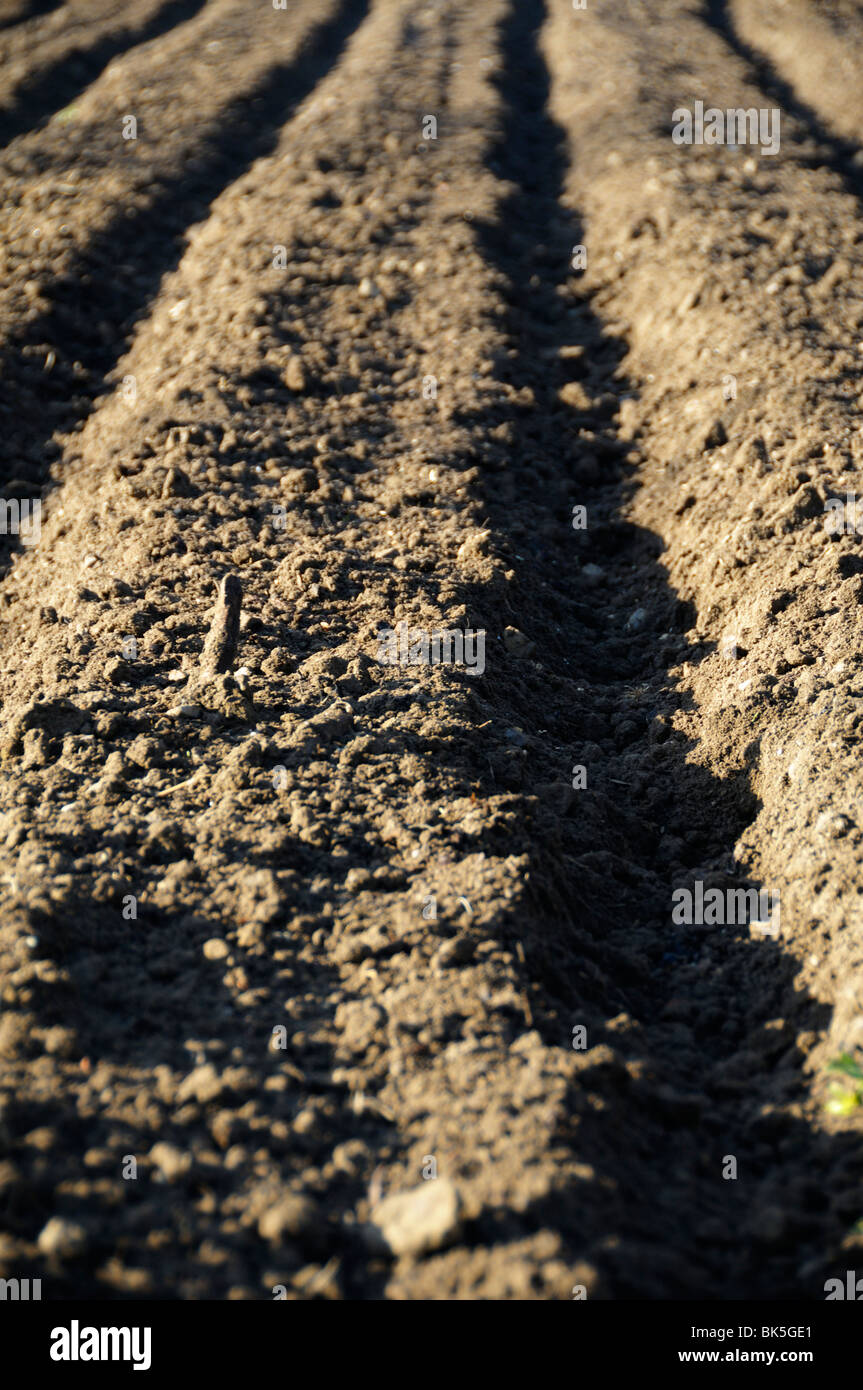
[516,643]
[474,548]
[216,948]
[415,1222]
[575,396]
[358,879]
[294,375]
[117,671]
[635,622]
[203,1084]
[368,288]
[172,1162]
[795,656]
[61,1237]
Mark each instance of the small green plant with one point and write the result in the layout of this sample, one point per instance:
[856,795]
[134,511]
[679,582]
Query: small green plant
[841,1100]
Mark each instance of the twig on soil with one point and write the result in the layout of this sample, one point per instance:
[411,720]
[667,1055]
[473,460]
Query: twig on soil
[220,648]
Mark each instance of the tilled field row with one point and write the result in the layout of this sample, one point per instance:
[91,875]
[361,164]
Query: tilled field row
[90,194]
[55,56]
[298,936]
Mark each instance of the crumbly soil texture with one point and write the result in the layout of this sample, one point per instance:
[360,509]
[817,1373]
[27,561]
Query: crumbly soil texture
[330,976]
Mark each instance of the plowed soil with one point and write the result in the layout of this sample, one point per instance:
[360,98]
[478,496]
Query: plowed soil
[320,930]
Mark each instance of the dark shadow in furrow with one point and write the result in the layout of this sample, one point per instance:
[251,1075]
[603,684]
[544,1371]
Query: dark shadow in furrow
[34,10]
[697,1075]
[835,152]
[49,91]
[95,305]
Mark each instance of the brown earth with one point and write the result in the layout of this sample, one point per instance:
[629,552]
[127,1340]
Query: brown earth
[295,934]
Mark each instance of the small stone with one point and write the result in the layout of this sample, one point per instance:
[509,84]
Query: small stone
[115,765]
[474,548]
[516,643]
[172,1162]
[368,289]
[795,656]
[203,1084]
[332,722]
[415,1222]
[60,1042]
[306,1122]
[294,375]
[146,752]
[635,622]
[63,1238]
[116,671]
[575,396]
[185,711]
[216,948]
[359,879]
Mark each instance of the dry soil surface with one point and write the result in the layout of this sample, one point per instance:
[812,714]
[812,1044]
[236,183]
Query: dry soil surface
[328,978]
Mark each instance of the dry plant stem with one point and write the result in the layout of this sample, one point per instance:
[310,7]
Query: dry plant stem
[220,648]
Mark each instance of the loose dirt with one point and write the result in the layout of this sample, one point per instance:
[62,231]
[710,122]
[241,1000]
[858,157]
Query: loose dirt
[340,979]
